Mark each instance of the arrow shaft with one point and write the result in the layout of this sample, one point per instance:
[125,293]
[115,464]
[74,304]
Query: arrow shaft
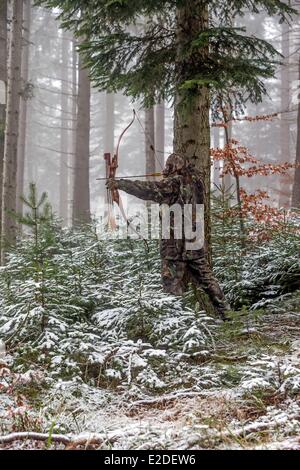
[134,176]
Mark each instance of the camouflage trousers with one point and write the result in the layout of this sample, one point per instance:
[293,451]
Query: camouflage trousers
[176,275]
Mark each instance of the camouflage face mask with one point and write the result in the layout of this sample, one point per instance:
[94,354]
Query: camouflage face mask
[174,164]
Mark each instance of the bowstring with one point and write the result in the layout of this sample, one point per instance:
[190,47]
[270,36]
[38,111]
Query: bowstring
[120,204]
[149,140]
[111,210]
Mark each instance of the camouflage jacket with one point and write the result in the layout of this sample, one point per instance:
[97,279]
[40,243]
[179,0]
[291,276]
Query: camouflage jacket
[181,190]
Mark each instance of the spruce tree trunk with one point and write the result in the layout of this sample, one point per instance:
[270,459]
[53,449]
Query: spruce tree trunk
[150,158]
[285,185]
[74,125]
[296,186]
[2,124]
[23,106]
[81,190]
[192,128]
[109,143]
[149,142]
[216,144]
[160,135]
[3,41]
[227,183]
[12,130]
[64,135]
[3,83]
[109,137]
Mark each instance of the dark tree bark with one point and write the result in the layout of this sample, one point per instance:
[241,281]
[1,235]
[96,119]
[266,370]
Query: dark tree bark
[23,105]
[81,190]
[192,128]
[216,144]
[109,138]
[296,186]
[3,84]
[3,41]
[160,135]
[285,185]
[109,144]
[150,157]
[64,135]
[74,123]
[11,130]
[150,142]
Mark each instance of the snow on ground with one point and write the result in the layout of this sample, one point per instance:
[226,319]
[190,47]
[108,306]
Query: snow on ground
[244,393]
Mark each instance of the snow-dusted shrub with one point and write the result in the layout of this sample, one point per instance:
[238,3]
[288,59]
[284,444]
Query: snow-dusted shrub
[138,334]
[92,308]
[43,289]
[254,273]
[45,293]
[268,272]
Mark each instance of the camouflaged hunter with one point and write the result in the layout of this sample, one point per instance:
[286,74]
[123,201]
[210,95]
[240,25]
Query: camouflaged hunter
[181,185]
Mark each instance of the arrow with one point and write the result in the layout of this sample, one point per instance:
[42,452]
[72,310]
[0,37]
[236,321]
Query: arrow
[134,176]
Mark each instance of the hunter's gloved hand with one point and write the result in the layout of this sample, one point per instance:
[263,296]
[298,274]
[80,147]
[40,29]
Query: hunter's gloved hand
[111,184]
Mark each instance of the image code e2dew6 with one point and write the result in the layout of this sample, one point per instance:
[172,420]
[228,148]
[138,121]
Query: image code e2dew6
[165,459]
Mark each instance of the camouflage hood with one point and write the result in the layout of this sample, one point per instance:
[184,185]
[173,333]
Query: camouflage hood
[177,165]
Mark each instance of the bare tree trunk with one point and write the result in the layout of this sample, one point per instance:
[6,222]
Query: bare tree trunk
[23,106]
[160,135]
[74,126]
[81,190]
[109,139]
[150,142]
[3,83]
[11,129]
[109,143]
[192,129]
[2,124]
[150,163]
[3,41]
[216,144]
[64,135]
[227,184]
[296,186]
[34,56]
[285,187]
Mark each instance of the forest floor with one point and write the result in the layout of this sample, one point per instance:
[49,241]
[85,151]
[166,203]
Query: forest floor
[246,396]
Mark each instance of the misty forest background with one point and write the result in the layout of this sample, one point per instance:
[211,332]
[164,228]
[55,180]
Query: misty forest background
[93,354]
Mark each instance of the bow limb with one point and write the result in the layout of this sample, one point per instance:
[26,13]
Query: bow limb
[122,135]
[112,165]
[113,168]
[111,173]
